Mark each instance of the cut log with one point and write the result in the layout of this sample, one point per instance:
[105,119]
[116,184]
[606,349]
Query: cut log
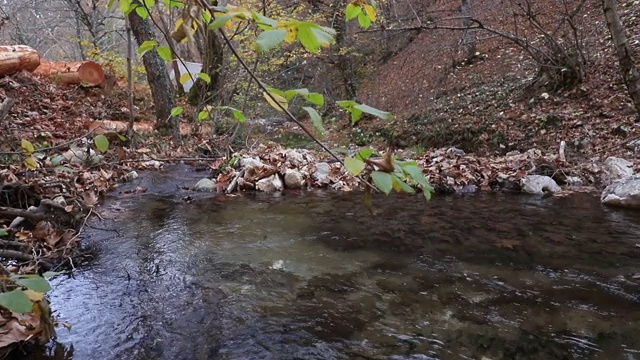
[88,73]
[16,58]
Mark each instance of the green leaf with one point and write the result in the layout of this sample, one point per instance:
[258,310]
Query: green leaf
[205,77]
[308,38]
[16,301]
[177,111]
[356,115]
[164,52]
[149,3]
[220,21]
[269,39]
[375,112]
[400,185]
[146,46]
[35,283]
[142,12]
[279,100]
[346,104]
[290,94]
[364,20]
[324,35]
[30,163]
[383,181]
[203,115]
[365,154]
[3,233]
[185,78]
[418,176]
[121,137]
[315,118]
[27,147]
[352,11]
[315,98]
[340,151]
[354,166]
[238,115]
[206,16]
[102,143]
[264,22]
[125,6]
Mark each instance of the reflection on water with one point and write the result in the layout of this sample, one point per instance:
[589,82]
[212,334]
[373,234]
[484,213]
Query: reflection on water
[315,277]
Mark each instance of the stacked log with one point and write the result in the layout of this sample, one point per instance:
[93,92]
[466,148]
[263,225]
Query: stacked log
[16,58]
[87,73]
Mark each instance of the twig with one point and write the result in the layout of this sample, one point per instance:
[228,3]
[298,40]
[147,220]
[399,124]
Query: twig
[17,255]
[34,216]
[234,183]
[9,243]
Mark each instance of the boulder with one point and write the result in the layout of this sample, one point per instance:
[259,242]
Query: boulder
[616,169]
[321,175]
[624,193]
[205,185]
[272,183]
[539,184]
[293,179]
[298,157]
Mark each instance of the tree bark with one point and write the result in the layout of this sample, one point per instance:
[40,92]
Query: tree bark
[468,41]
[157,76]
[625,58]
[212,63]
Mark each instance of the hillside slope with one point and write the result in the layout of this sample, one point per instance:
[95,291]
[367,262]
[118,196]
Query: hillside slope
[487,105]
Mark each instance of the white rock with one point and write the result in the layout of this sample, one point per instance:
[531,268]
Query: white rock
[78,155]
[272,183]
[322,173]
[539,184]
[574,181]
[19,219]
[60,200]
[205,185]
[131,175]
[293,179]
[617,168]
[251,163]
[299,157]
[624,192]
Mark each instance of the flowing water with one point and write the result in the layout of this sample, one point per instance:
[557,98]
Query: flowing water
[314,276]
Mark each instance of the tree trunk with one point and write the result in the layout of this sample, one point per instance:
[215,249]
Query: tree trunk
[157,76]
[468,41]
[625,58]
[212,63]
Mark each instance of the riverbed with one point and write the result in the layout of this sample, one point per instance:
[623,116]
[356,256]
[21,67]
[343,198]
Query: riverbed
[312,275]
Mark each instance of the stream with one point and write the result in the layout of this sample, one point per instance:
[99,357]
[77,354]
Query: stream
[311,275]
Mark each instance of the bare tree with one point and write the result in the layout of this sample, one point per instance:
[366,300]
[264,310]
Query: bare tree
[161,88]
[468,40]
[625,58]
